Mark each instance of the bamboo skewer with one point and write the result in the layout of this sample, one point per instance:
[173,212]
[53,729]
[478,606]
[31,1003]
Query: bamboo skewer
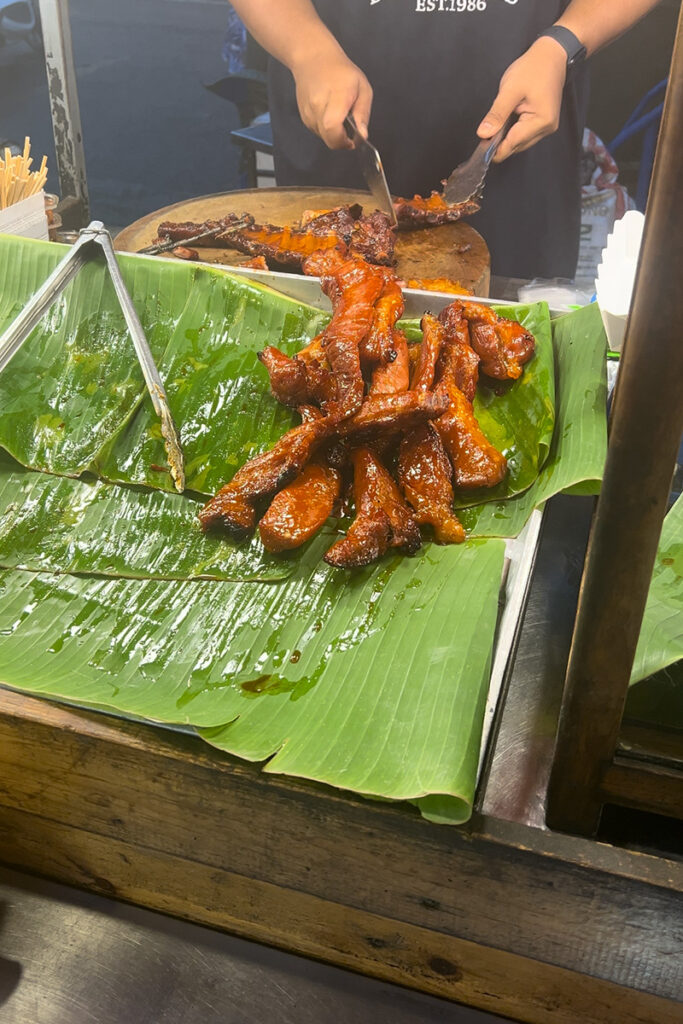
[17,180]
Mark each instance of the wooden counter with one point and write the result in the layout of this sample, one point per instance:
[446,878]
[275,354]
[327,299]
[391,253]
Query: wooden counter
[500,914]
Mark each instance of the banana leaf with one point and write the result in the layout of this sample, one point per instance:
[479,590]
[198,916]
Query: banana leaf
[267,667]
[661,635]
[217,388]
[318,672]
[657,700]
[579,446]
[75,384]
[57,524]
[73,397]
[76,379]
[220,395]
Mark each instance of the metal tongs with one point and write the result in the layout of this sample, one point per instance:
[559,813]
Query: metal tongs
[91,239]
[467,180]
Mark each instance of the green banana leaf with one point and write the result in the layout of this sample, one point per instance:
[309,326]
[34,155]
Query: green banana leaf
[217,388]
[73,397]
[292,660]
[57,524]
[661,635]
[317,672]
[579,446]
[75,385]
[76,378]
[220,395]
[658,699]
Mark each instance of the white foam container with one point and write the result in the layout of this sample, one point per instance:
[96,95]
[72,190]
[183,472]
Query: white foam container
[26,218]
[616,275]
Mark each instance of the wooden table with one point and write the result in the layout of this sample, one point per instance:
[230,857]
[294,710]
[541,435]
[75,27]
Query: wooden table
[501,914]
[99,961]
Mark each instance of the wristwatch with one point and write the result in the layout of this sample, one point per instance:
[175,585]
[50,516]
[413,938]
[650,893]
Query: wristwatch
[573,47]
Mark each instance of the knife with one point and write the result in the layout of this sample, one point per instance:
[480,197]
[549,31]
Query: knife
[373,172]
[467,180]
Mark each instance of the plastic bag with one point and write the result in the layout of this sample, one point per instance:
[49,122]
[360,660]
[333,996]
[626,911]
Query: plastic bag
[603,202]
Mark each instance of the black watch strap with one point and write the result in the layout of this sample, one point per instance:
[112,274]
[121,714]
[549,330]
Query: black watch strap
[573,47]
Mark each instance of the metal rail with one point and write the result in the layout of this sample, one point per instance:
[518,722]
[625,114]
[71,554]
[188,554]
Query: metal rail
[65,112]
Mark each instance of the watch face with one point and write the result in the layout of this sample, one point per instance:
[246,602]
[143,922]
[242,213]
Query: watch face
[577,57]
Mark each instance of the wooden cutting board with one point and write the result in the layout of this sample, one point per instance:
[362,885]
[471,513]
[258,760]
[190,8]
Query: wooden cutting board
[455,251]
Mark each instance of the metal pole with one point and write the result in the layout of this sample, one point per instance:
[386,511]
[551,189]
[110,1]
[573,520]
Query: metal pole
[645,433]
[66,116]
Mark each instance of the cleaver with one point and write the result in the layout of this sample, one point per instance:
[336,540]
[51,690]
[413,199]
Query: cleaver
[373,172]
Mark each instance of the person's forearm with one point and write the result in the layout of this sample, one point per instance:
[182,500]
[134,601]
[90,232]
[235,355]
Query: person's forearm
[598,22]
[329,86]
[290,30]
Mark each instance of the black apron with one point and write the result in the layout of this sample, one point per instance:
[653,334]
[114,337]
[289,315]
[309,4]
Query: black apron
[435,70]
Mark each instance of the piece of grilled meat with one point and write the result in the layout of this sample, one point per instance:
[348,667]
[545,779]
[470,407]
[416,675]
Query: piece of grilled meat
[373,236]
[437,284]
[353,287]
[382,519]
[476,463]
[280,247]
[234,507]
[424,372]
[504,346]
[296,382]
[457,358]
[432,211]
[385,415]
[393,378]
[377,347]
[424,471]
[344,228]
[298,511]
[178,231]
[425,476]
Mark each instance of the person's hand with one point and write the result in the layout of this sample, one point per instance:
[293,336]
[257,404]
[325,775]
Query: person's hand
[328,87]
[532,88]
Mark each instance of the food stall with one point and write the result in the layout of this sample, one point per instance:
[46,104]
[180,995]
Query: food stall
[352,765]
